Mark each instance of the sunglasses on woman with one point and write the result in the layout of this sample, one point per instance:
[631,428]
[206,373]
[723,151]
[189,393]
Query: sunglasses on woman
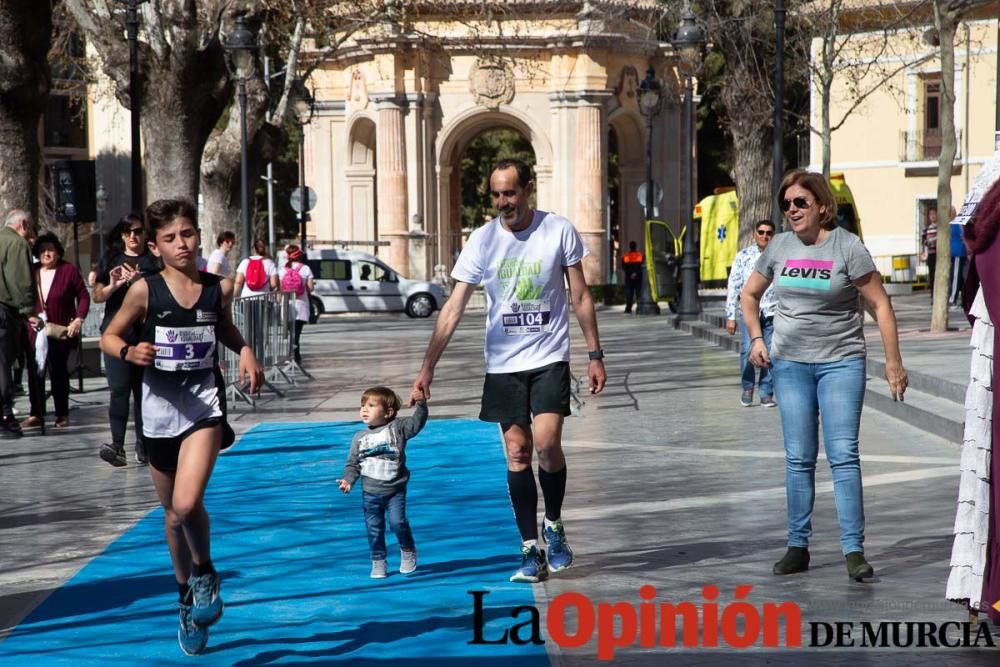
[133,231]
[800,203]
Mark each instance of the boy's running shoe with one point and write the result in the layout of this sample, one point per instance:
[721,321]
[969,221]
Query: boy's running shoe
[113,453]
[407,561]
[533,566]
[208,606]
[191,637]
[560,555]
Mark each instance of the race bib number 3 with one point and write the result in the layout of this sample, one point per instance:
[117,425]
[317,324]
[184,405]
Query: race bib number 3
[520,318]
[184,348]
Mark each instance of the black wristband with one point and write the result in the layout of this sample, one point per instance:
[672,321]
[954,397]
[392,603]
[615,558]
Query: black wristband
[756,338]
[124,351]
[596,355]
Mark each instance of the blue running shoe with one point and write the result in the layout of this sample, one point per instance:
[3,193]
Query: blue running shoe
[560,555]
[533,566]
[208,606]
[191,637]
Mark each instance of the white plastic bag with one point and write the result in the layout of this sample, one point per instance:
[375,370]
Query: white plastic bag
[41,349]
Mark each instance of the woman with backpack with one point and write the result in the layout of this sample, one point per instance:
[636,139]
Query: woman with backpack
[256,274]
[297,278]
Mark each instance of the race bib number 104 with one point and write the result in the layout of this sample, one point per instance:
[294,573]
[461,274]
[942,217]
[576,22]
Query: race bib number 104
[520,318]
[184,348]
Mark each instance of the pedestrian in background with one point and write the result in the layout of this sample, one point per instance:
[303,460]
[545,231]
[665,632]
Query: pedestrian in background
[818,358]
[632,270]
[928,241]
[743,266]
[17,306]
[959,262]
[257,274]
[218,261]
[297,279]
[64,300]
[126,260]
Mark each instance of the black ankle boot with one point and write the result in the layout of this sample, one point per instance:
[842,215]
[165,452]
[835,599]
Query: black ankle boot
[858,568]
[796,559]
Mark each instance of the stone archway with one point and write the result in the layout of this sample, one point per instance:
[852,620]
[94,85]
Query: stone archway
[630,134]
[453,140]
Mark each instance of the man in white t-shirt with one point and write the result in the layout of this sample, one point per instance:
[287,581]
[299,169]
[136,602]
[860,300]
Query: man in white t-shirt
[218,262]
[524,258]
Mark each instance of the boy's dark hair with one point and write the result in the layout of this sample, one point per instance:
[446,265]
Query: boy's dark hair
[223,237]
[162,212]
[769,223]
[524,176]
[387,397]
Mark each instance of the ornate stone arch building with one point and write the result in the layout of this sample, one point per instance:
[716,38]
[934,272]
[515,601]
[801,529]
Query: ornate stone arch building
[397,108]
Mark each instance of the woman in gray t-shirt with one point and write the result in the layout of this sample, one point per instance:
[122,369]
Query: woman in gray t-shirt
[817,358]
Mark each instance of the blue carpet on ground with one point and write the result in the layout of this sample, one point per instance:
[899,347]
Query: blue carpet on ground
[293,555]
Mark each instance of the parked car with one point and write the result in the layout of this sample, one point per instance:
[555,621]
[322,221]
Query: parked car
[352,281]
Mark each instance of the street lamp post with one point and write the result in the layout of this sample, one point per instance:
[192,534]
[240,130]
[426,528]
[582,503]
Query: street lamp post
[777,149]
[241,44]
[650,103]
[304,113]
[687,43]
[135,99]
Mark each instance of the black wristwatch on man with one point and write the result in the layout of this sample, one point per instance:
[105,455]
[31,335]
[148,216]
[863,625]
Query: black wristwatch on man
[596,355]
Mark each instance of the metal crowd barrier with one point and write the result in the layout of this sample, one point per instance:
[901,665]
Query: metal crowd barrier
[267,322]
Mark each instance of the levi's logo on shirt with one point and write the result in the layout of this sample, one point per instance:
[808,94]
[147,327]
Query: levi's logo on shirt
[807,273]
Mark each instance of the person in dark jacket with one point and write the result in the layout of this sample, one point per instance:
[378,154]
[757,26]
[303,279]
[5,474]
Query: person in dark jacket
[17,304]
[64,300]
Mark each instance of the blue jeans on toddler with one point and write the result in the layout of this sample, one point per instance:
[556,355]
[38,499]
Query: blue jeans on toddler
[748,371]
[830,393]
[376,508]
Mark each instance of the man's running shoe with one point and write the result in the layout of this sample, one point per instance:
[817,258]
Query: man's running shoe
[378,570]
[208,604]
[113,453]
[191,637]
[560,555]
[533,566]
[140,453]
[746,398]
[407,561]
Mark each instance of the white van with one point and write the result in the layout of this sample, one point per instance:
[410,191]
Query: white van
[352,281]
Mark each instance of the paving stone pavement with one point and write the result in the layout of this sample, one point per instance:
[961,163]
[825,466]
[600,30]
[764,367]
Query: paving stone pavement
[671,484]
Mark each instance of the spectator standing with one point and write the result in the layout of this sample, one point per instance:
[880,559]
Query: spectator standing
[743,266]
[17,304]
[126,260]
[297,278]
[959,262]
[257,274]
[928,239]
[218,261]
[632,270]
[64,300]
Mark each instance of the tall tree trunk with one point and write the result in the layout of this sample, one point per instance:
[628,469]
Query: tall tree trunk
[946,22]
[25,37]
[751,174]
[221,169]
[827,132]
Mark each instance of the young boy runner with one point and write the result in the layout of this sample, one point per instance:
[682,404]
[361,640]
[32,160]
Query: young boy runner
[183,315]
[378,456]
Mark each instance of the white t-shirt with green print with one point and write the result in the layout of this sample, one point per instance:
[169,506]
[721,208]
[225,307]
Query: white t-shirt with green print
[527,324]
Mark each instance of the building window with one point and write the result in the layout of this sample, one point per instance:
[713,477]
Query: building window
[931,139]
[65,123]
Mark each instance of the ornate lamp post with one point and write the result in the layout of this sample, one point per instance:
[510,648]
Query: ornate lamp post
[135,99]
[304,106]
[777,148]
[241,43]
[687,43]
[650,103]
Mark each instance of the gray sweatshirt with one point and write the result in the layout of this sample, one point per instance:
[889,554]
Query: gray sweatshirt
[378,455]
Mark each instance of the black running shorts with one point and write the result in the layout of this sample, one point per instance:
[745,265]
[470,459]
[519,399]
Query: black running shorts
[513,398]
[163,452]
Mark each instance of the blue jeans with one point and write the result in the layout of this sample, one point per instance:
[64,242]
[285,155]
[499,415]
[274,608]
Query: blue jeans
[376,508]
[747,370]
[833,391]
